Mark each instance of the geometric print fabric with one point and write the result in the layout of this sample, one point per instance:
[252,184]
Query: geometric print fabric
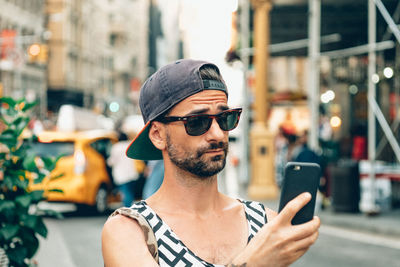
[172,251]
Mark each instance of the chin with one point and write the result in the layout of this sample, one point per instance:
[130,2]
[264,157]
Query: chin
[214,167]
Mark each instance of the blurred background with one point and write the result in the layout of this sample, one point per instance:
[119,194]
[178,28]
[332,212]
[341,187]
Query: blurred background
[317,75]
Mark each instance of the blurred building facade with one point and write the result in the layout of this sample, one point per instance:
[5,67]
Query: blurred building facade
[21,25]
[86,53]
[98,52]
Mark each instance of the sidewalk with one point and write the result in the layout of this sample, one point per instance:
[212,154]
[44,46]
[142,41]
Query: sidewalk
[386,223]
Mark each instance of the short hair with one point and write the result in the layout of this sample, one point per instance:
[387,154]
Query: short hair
[210,72]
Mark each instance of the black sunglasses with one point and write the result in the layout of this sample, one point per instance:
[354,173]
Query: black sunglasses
[198,124]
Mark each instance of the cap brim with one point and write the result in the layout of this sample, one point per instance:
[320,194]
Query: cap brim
[142,148]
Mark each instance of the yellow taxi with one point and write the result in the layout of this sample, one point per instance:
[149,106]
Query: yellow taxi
[82,171]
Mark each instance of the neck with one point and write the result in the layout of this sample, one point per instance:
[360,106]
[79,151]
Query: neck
[187,193]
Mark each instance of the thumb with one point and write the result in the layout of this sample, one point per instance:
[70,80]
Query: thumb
[293,206]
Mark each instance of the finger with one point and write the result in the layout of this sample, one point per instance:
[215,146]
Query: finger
[293,206]
[305,243]
[297,255]
[307,229]
[299,248]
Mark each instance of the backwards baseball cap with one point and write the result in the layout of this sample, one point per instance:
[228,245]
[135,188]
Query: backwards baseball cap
[164,89]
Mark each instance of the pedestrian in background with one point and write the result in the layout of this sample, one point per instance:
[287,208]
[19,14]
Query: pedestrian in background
[154,178]
[302,152]
[188,222]
[123,170]
[281,151]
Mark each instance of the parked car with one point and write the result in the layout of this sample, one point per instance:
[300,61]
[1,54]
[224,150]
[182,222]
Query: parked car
[85,177]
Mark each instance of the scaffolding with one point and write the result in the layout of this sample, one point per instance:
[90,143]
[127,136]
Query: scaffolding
[374,111]
[313,43]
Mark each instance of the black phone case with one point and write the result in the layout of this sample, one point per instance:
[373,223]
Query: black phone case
[300,177]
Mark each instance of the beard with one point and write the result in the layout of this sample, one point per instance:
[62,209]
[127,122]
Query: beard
[194,162]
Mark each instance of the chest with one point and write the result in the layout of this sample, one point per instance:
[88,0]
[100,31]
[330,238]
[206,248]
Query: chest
[216,240]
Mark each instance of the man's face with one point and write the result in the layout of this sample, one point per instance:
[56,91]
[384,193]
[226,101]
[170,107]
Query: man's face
[203,155]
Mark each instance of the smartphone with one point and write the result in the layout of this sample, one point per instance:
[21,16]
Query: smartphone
[300,177]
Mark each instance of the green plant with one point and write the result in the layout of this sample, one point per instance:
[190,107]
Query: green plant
[21,220]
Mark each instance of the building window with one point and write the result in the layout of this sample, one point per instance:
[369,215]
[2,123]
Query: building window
[113,39]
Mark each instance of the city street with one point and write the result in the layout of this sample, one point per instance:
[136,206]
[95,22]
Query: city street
[76,240]
[341,247]
[84,85]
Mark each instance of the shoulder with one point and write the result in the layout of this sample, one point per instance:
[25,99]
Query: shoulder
[258,207]
[123,241]
[120,224]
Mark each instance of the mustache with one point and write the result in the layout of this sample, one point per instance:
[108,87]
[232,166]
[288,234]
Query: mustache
[216,145]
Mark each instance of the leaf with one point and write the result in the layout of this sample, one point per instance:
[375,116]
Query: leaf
[29,105]
[30,221]
[29,163]
[49,163]
[9,138]
[8,210]
[41,228]
[11,112]
[37,195]
[21,151]
[8,182]
[13,179]
[39,178]
[8,231]
[17,255]
[19,224]
[23,200]
[21,183]
[10,101]
[6,205]
[20,123]
[8,132]
[30,241]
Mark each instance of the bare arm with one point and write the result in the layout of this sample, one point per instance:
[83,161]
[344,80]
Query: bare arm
[279,243]
[123,244]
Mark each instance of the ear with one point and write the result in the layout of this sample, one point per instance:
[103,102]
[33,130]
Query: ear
[157,135]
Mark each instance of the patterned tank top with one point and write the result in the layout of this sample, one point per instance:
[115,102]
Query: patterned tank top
[172,251]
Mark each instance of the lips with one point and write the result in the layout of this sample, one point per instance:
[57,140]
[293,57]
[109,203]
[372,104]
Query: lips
[215,151]
[214,148]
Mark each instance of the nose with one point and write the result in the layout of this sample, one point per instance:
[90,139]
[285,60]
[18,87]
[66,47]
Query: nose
[215,132]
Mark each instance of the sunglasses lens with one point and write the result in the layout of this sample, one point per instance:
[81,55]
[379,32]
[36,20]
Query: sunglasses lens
[228,120]
[198,125]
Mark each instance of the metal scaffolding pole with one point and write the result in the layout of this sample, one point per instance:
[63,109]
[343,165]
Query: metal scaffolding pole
[358,50]
[371,207]
[314,32]
[245,42]
[392,25]
[385,127]
[293,45]
[388,132]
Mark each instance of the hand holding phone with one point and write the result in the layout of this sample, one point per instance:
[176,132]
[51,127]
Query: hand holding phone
[300,177]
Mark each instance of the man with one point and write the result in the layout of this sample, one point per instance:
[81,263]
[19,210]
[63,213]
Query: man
[184,106]
[124,171]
